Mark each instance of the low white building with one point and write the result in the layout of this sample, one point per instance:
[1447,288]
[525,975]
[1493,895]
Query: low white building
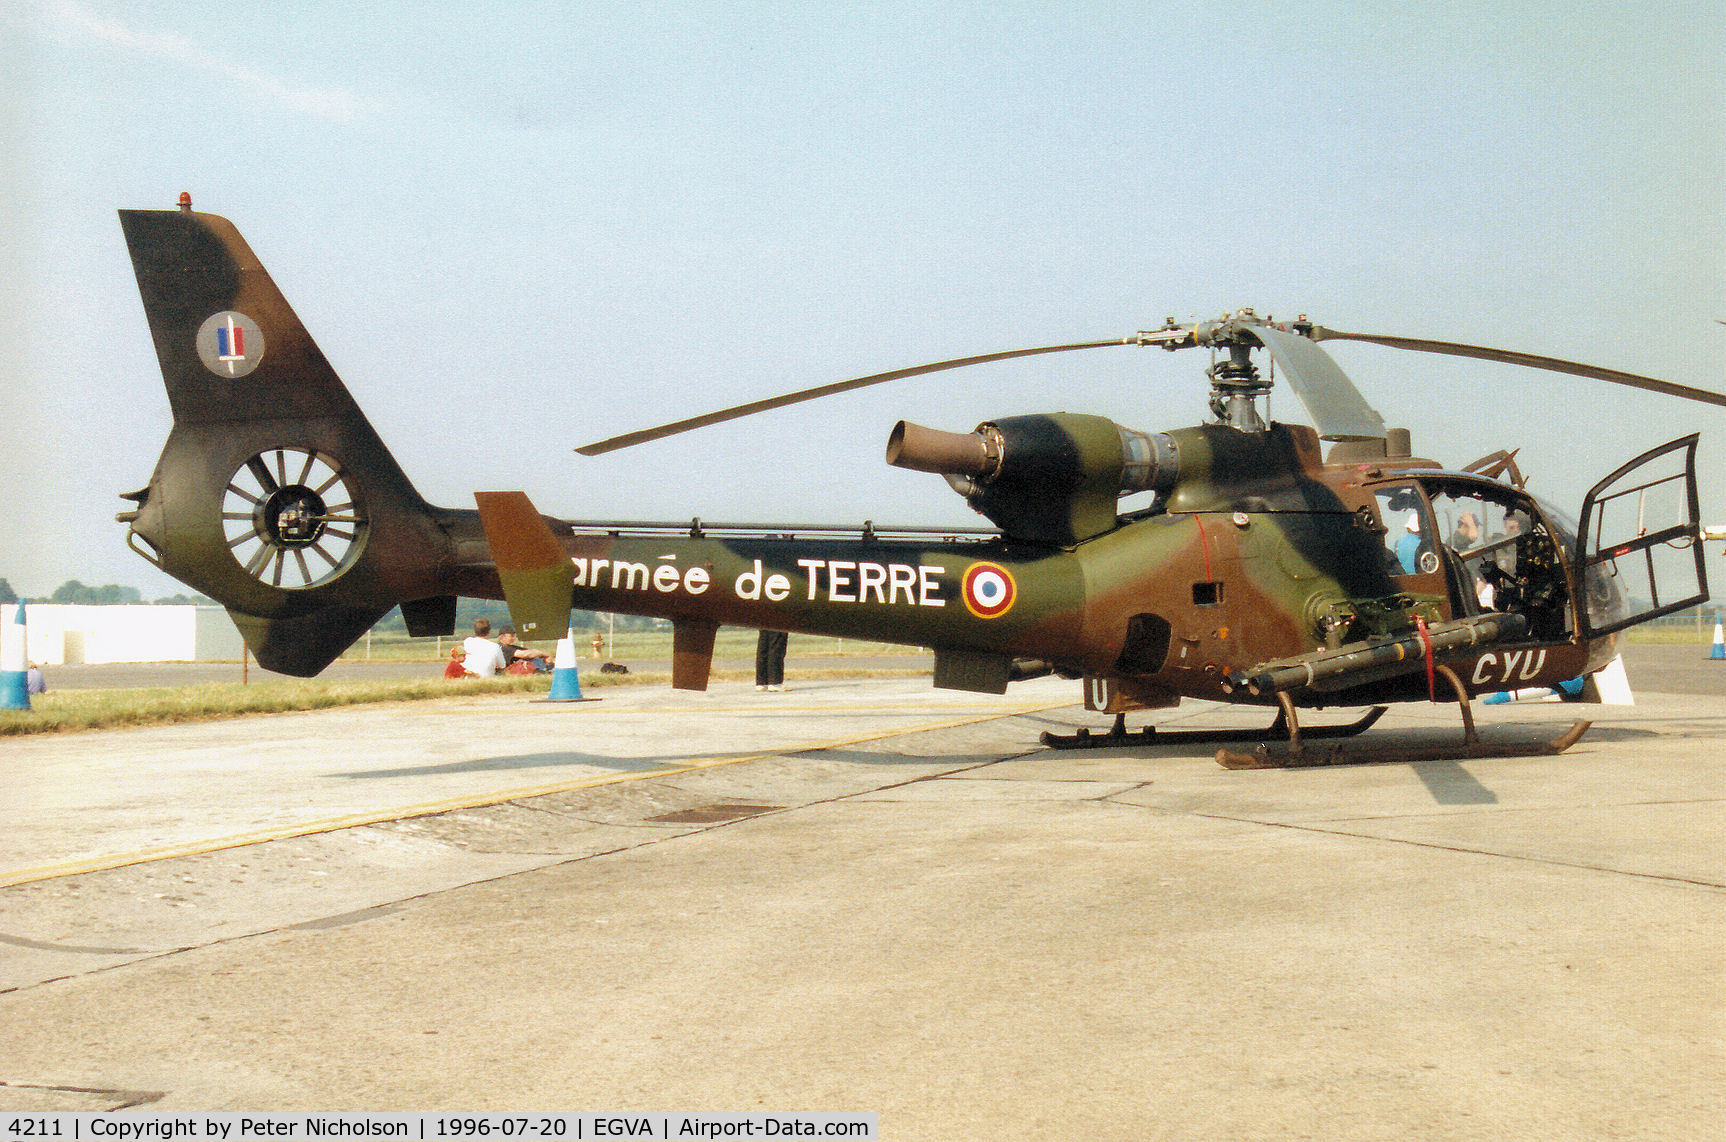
[63,634]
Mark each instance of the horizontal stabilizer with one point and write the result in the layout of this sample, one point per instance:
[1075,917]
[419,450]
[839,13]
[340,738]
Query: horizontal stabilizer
[976,671]
[532,564]
[303,645]
[430,618]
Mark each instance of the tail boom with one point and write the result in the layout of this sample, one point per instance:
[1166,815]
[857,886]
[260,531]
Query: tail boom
[962,598]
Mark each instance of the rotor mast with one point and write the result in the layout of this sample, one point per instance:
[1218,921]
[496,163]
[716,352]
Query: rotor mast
[1235,389]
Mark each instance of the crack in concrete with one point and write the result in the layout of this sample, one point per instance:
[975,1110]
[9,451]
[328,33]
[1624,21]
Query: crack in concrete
[127,1098]
[1507,809]
[1469,850]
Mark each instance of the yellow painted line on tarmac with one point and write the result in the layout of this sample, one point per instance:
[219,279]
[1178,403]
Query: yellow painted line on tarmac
[472,801]
[766,707]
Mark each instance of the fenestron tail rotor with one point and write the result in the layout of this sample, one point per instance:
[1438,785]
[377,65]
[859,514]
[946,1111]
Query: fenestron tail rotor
[292,519]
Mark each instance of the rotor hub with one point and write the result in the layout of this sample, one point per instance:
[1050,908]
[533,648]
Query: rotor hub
[293,516]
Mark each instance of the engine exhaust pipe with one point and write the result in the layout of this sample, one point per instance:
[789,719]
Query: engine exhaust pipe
[974,454]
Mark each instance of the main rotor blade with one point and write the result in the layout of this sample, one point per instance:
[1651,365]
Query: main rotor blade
[1338,410]
[1532,361]
[630,439]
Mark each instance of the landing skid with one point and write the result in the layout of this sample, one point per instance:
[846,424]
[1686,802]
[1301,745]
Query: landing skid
[1297,755]
[1278,731]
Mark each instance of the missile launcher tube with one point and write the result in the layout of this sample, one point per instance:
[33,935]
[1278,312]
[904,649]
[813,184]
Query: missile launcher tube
[1360,663]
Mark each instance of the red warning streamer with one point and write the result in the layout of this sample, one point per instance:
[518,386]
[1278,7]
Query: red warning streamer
[1426,641]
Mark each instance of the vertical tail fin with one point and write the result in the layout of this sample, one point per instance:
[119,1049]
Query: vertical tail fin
[531,564]
[273,495]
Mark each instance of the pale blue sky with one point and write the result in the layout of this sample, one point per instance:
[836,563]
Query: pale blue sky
[518,231]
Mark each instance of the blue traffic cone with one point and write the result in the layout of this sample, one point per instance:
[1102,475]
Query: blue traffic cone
[1570,691]
[565,681]
[1528,694]
[1718,650]
[14,663]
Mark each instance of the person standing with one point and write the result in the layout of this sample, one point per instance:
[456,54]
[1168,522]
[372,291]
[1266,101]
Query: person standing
[770,659]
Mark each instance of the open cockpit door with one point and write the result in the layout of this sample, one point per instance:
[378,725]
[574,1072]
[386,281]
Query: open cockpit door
[1638,541]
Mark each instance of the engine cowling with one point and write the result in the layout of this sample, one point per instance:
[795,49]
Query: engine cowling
[1047,478]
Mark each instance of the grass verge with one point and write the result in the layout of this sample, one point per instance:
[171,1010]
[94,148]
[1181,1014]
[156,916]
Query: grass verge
[71,711]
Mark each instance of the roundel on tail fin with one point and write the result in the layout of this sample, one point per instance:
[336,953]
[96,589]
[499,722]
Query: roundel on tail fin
[230,344]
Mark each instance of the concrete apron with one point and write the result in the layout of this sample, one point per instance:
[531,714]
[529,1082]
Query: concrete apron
[959,930]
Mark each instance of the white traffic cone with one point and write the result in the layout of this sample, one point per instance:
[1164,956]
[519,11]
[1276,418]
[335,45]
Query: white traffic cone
[1718,650]
[14,663]
[565,681]
[1610,685]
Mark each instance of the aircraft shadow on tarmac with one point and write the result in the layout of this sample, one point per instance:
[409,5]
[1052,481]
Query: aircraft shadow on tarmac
[1623,734]
[564,758]
[556,760]
[1448,781]
[1451,784]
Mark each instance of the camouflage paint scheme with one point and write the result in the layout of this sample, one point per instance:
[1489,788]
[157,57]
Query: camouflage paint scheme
[1167,605]
[1256,552]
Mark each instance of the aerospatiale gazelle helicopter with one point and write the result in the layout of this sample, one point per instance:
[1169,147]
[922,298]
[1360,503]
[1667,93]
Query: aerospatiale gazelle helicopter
[1264,571]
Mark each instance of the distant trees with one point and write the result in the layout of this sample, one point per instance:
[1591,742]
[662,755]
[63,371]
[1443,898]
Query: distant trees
[72,591]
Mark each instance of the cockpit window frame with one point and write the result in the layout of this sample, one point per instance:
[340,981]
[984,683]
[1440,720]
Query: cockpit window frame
[1557,614]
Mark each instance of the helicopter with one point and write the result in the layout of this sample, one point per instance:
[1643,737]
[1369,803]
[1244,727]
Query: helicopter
[1276,565]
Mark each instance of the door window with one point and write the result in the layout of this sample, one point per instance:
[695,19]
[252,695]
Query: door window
[1639,540]
[1409,545]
